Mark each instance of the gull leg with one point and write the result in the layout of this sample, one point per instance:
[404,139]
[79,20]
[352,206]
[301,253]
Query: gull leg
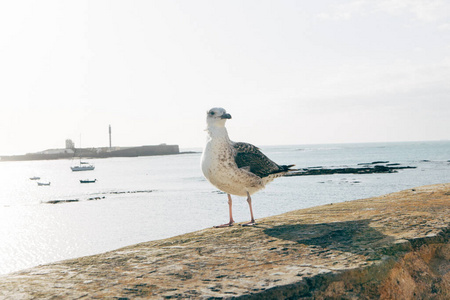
[252,222]
[230,202]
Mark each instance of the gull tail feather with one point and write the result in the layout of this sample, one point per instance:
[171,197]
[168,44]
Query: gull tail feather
[288,168]
[285,169]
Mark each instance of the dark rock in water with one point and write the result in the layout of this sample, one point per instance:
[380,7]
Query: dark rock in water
[96,198]
[61,201]
[403,167]
[374,163]
[379,168]
[360,169]
[129,192]
[71,200]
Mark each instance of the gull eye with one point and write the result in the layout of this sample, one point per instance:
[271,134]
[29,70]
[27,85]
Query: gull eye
[211,113]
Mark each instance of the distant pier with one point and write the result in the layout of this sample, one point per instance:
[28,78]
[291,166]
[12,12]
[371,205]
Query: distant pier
[103,152]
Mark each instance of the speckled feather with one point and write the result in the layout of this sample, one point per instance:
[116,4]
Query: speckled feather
[251,157]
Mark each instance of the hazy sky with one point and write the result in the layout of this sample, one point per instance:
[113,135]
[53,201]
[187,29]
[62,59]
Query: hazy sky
[289,72]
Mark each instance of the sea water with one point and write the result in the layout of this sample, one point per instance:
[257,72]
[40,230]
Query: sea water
[147,198]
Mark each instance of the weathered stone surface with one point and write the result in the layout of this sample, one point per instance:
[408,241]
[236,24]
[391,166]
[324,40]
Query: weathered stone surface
[390,247]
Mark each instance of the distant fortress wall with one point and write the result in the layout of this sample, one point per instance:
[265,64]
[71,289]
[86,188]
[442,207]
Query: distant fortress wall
[142,151]
[162,149]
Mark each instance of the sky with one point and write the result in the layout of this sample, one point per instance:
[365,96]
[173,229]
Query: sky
[289,72]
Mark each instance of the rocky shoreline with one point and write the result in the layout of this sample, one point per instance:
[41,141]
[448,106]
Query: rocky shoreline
[388,247]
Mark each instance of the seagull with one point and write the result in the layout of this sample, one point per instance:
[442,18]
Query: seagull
[235,168]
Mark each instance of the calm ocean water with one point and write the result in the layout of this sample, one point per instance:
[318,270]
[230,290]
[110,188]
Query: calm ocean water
[148,198]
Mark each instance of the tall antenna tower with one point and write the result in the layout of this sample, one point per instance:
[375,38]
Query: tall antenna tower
[110,137]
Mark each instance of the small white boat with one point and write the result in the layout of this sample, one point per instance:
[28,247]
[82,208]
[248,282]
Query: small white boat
[43,183]
[83,167]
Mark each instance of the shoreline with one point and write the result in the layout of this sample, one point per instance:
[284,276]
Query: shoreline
[318,251]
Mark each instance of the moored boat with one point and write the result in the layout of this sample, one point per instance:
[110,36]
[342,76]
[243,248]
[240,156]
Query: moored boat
[88,181]
[83,167]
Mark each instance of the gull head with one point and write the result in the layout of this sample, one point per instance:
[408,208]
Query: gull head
[217,117]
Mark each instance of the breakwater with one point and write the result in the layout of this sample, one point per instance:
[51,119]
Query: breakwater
[162,149]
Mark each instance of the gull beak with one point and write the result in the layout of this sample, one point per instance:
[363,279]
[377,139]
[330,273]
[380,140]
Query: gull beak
[226,116]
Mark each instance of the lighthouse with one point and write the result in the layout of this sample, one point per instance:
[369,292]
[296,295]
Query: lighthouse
[110,145]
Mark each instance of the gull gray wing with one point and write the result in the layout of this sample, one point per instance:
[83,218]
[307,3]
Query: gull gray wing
[249,156]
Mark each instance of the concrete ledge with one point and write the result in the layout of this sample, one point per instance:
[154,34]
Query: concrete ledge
[396,245]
